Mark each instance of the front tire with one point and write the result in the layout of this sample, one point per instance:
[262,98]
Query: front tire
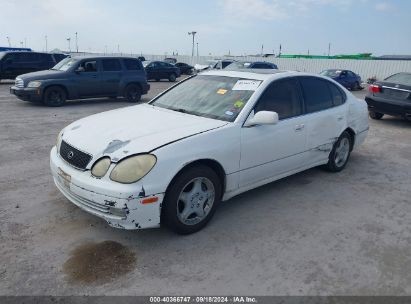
[340,154]
[54,96]
[191,200]
[132,93]
[376,115]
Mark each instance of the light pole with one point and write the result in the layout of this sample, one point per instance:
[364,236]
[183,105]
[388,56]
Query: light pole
[197,50]
[76,44]
[8,40]
[21,43]
[69,46]
[329,49]
[194,34]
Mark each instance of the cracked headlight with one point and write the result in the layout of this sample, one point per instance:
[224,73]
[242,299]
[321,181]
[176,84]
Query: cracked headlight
[132,169]
[58,142]
[101,167]
[34,84]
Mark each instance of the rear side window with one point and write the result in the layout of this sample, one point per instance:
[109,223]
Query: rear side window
[28,57]
[283,97]
[132,65]
[337,95]
[317,95]
[111,65]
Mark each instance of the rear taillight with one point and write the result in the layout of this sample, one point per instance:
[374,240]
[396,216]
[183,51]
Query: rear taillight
[374,89]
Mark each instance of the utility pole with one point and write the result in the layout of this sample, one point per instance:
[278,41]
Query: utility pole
[8,40]
[262,50]
[279,53]
[45,37]
[329,49]
[69,45]
[76,44]
[194,34]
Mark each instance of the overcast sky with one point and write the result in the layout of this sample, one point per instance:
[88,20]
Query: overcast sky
[238,26]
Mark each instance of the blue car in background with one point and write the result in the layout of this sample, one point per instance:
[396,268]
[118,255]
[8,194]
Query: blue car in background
[346,78]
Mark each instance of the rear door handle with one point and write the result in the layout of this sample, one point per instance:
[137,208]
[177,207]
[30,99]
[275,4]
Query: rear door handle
[340,118]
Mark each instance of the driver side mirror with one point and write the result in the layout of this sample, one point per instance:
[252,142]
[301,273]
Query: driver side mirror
[263,118]
[80,70]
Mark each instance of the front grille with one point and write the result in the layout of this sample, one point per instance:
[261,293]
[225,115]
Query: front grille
[19,83]
[74,156]
[397,94]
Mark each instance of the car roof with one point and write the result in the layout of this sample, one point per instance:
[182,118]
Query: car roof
[259,74]
[81,57]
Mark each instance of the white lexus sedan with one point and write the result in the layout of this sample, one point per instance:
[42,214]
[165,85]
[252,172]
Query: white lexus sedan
[205,140]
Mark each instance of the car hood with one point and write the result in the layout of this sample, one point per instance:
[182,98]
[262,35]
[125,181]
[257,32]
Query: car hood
[133,130]
[47,74]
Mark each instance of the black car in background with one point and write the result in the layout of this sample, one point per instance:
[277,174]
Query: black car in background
[185,68]
[391,96]
[240,65]
[15,63]
[84,77]
[158,70]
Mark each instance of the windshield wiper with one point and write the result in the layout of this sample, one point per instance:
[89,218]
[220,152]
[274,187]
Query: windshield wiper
[180,110]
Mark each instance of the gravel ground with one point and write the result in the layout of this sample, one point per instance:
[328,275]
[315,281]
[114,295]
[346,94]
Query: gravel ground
[314,233]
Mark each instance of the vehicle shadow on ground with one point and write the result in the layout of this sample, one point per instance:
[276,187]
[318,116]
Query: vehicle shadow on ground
[394,121]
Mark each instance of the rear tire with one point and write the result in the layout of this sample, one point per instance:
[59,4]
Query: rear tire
[340,154]
[376,115]
[191,200]
[172,77]
[54,96]
[132,93]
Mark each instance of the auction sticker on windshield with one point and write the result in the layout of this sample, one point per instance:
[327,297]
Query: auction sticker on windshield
[246,85]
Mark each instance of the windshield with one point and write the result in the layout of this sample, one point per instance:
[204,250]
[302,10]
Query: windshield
[65,64]
[400,78]
[215,97]
[331,73]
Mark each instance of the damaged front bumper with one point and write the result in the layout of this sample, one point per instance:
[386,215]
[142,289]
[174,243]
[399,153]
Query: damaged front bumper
[122,206]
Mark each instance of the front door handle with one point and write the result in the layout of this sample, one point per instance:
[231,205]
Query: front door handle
[299,127]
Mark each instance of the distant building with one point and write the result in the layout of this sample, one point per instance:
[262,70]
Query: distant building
[393,57]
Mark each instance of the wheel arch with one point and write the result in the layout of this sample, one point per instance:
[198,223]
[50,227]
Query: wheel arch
[352,135]
[56,85]
[211,163]
[123,91]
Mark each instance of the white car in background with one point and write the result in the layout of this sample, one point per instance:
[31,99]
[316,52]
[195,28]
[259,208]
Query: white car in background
[207,139]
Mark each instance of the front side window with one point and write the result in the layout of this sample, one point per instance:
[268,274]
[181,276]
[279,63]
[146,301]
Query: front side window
[111,65]
[89,66]
[316,94]
[283,97]
[217,97]
[65,64]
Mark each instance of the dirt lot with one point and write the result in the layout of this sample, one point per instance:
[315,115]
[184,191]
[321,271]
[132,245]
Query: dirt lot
[315,233]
